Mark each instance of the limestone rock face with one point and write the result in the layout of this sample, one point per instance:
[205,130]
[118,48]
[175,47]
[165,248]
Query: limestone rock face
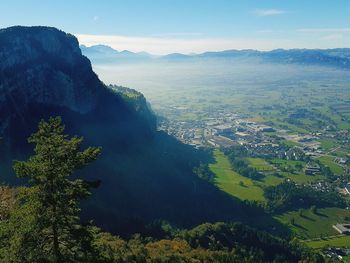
[44,65]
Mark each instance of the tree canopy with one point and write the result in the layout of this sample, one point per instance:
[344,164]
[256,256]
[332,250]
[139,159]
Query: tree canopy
[45,225]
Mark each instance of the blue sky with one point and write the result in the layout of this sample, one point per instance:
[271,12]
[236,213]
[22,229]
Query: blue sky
[166,26]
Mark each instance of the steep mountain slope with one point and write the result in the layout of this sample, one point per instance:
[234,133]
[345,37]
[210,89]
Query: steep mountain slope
[42,72]
[145,174]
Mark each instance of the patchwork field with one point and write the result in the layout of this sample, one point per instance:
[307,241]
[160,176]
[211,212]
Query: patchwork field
[307,225]
[270,93]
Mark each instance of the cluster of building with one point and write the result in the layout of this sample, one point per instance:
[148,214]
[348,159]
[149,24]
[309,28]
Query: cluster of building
[343,229]
[345,188]
[221,129]
[312,169]
[322,186]
[224,129]
[336,253]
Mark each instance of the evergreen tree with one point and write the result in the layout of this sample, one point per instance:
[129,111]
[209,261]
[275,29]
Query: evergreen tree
[52,231]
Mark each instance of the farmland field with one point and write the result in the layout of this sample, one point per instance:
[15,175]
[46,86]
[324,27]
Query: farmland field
[329,161]
[260,165]
[247,189]
[307,225]
[233,183]
[266,93]
[338,241]
[328,144]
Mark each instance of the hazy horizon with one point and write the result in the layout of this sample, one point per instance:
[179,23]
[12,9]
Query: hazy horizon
[163,27]
[207,51]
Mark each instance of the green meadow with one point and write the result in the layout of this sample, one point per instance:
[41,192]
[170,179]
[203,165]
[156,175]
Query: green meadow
[329,161]
[337,241]
[328,144]
[308,225]
[260,164]
[231,182]
[245,188]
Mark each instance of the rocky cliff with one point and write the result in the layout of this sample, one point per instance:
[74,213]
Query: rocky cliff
[45,65]
[42,65]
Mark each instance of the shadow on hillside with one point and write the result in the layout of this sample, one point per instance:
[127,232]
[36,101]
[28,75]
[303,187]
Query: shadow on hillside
[320,214]
[146,176]
[299,226]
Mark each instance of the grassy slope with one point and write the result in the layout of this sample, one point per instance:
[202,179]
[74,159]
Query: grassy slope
[260,164]
[229,181]
[314,225]
[339,241]
[328,144]
[329,161]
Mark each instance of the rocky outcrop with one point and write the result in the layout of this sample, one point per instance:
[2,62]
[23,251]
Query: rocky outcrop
[44,65]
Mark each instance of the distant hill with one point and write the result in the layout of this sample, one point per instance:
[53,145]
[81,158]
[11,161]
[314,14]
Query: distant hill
[146,174]
[339,57]
[103,54]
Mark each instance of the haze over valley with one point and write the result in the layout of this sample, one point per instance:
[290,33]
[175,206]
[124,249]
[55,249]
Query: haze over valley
[174,131]
[289,109]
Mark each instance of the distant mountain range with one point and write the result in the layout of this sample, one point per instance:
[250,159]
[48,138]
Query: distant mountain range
[106,54]
[339,57]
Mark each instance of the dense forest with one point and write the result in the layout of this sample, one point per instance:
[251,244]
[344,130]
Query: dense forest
[290,196]
[236,156]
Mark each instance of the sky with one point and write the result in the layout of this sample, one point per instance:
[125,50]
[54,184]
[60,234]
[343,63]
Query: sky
[189,26]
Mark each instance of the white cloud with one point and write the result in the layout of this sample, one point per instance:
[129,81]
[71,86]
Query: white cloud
[269,12]
[158,45]
[166,45]
[177,34]
[324,30]
[333,37]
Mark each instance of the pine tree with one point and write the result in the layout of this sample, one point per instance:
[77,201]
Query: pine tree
[59,235]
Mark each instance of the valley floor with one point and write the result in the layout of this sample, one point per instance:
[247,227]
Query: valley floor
[307,224]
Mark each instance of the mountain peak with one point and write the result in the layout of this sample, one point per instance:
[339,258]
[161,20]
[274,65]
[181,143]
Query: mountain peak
[99,49]
[28,41]
[45,65]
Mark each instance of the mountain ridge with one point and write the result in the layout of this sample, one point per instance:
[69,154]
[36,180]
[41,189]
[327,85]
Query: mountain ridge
[344,49]
[337,57]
